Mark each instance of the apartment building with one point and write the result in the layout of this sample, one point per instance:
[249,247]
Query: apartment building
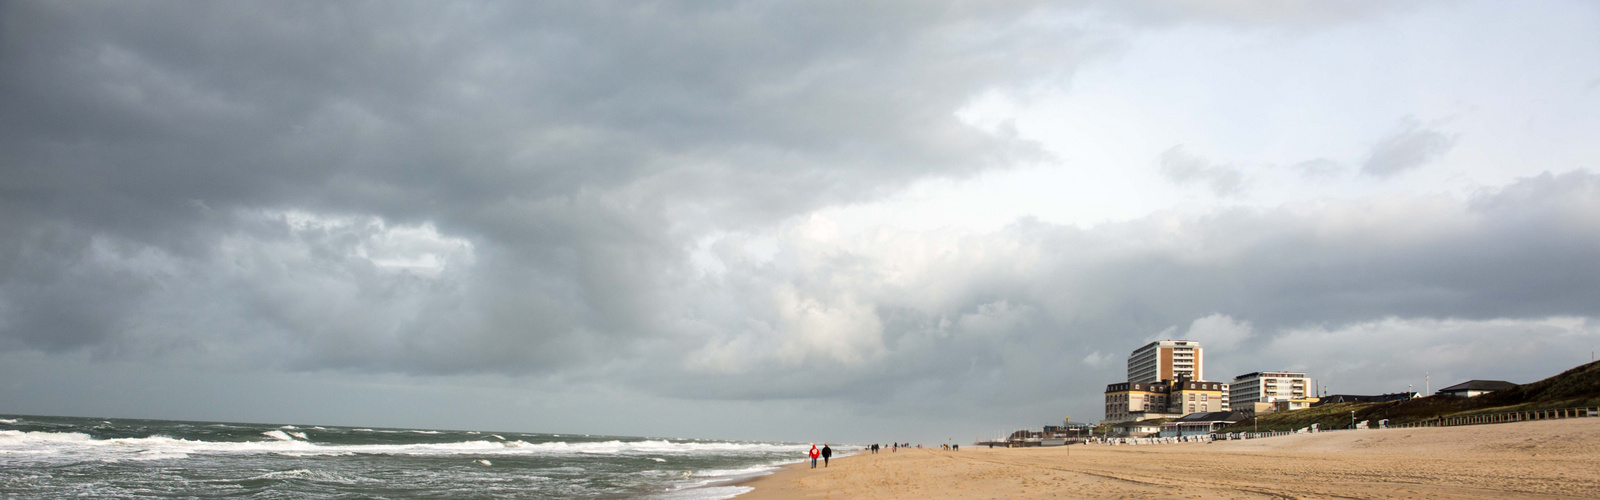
[1197,396]
[1166,360]
[1128,401]
[1269,387]
[1135,400]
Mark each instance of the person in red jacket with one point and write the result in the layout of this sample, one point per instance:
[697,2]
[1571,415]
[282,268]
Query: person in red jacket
[814,454]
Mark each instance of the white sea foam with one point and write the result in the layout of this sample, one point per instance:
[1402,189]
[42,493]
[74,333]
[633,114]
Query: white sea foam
[758,470]
[484,462]
[705,493]
[300,435]
[74,445]
[288,427]
[8,421]
[497,436]
[278,435]
[8,438]
[362,430]
[426,432]
[281,474]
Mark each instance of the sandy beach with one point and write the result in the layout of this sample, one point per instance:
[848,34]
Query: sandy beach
[1542,459]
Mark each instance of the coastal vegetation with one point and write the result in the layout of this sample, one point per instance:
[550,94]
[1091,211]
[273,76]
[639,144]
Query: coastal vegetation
[1577,387]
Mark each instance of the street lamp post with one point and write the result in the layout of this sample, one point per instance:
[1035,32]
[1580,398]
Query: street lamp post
[1352,419]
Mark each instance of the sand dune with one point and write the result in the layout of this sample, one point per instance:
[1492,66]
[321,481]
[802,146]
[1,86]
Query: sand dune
[1543,459]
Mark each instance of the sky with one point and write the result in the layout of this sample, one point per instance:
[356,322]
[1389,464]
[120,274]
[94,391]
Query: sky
[915,221]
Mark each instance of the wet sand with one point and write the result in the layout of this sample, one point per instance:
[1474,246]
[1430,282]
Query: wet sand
[1542,459]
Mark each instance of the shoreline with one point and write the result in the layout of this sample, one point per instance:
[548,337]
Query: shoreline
[1537,459]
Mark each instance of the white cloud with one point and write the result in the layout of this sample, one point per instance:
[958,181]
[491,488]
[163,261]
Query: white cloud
[1219,333]
[1098,359]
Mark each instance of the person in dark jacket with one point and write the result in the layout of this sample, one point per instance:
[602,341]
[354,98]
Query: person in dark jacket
[826,452]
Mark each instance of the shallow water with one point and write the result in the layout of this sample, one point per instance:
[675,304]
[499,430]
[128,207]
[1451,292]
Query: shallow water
[52,457]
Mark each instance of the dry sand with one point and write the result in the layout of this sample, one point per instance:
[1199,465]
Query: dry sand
[1542,459]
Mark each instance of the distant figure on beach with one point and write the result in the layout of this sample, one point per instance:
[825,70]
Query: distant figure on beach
[814,454]
[826,454]
[874,448]
[894,447]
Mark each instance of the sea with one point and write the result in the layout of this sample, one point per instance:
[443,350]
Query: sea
[59,457]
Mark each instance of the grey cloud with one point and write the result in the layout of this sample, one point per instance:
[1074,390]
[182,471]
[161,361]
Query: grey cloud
[151,151]
[1052,302]
[215,183]
[1409,147]
[1296,15]
[1182,167]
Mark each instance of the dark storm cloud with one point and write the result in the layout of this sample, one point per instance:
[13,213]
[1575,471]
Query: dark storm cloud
[155,154]
[525,189]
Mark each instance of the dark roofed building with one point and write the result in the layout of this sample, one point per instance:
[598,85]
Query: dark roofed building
[1358,398]
[1473,388]
[1199,424]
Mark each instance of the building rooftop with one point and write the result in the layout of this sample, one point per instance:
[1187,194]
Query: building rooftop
[1211,416]
[1281,373]
[1480,385]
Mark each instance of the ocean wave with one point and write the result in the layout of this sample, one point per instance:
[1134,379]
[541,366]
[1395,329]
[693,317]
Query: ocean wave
[278,435]
[75,444]
[8,421]
[9,437]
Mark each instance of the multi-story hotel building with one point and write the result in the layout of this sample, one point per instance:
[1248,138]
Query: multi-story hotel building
[1165,399]
[1269,387]
[1165,380]
[1135,400]
[1166,360]
[1193,396]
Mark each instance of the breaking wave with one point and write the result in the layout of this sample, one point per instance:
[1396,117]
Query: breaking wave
[76,444]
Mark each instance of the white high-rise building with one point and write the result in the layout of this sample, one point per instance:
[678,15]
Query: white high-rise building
[1269,387]
[1166,360]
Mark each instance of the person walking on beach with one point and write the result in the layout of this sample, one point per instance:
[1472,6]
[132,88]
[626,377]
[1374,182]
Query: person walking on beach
[826,454]
[814,454]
